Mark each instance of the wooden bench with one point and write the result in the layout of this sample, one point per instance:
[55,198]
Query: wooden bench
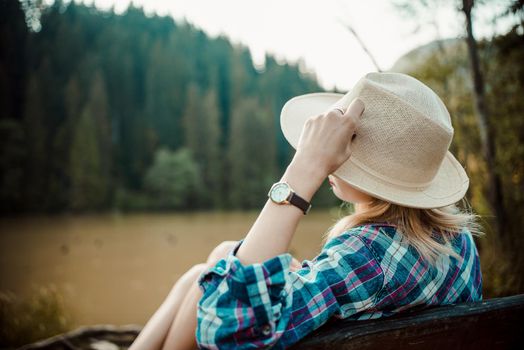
[490,324]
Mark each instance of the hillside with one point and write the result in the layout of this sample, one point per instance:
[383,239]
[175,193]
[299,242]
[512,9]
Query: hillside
[108,110]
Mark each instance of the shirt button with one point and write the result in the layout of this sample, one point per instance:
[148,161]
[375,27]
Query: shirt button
[266,329]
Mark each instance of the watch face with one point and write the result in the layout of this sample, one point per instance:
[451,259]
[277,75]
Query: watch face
[280,192]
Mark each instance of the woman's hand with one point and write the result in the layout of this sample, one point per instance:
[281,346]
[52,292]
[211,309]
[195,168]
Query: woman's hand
[325,140]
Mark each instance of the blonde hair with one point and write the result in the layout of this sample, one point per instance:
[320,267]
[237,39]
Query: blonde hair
[417,226]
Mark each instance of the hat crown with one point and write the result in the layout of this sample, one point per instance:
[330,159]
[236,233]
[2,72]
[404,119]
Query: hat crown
[404,132]
[414,92]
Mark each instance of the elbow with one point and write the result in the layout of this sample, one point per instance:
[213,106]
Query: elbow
[236,311]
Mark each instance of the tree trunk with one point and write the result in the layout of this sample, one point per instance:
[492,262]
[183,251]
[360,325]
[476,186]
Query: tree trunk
[495,196]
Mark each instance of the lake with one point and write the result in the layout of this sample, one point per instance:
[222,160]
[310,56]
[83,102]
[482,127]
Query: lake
[116,268]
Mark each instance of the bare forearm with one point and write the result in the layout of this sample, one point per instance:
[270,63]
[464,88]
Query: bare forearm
[324,144]
[273,230]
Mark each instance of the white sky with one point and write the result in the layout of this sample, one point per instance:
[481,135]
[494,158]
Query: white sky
[310,30]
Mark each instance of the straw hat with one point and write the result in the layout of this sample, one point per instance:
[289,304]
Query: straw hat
[400,152]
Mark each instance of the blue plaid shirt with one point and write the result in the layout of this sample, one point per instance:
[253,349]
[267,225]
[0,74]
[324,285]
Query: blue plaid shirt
[364,273]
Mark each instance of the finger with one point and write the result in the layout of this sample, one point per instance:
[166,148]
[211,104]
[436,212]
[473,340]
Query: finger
[355,109]
[340,109]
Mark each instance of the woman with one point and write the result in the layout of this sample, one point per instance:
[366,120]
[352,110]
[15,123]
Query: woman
[384,147]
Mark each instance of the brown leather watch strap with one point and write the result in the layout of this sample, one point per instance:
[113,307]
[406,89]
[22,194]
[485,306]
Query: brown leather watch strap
[300,202]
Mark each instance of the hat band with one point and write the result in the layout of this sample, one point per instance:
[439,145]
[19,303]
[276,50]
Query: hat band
[418,186]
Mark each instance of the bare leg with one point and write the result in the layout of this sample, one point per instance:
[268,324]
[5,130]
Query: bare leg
[161,328]
[181,335]
[155,331]
[182,332]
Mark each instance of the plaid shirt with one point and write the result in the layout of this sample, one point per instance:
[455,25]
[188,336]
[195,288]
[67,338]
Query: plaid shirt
[365,273]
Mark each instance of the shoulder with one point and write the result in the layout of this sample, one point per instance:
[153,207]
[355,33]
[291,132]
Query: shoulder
[381,240]
[352,248]
[371,234]
[352,238]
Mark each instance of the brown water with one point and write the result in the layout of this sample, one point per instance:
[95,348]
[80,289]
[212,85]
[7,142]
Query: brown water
[117,269]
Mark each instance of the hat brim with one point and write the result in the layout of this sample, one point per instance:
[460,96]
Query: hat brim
[449,185]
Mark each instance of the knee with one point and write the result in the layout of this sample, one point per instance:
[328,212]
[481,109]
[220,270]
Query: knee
[193,272]
[220,251]
[196,270]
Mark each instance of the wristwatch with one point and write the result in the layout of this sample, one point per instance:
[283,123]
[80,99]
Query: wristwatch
[282,193]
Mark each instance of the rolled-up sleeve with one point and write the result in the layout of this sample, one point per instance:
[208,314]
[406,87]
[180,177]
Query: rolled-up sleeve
[266,305]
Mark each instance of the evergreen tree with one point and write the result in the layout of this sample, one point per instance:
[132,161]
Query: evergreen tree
[85,164]
[251,154]
[35,168]
[165,93]
[13,36]
[12,154]
[202,137]
[90,162]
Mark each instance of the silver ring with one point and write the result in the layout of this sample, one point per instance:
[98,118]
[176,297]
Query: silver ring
[340,109]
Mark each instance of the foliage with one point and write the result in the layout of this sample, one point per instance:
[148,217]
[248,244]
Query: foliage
[25,320]
[251,154]
[173,181]
[446,71]
[11,160]
[89,165]
[202,136]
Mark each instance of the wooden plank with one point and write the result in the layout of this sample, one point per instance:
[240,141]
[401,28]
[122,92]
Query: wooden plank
[490,324]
